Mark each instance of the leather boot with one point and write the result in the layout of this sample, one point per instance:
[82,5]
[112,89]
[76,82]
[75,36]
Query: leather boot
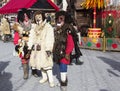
[34,72]
[79,62]
[25,70]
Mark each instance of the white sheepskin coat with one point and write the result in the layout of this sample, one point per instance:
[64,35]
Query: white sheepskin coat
[4,27]
[45,38]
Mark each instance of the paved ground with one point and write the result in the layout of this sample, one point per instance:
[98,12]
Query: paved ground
[100,72]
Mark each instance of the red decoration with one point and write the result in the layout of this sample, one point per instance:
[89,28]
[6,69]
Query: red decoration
[114,46]
[109,29]
[113,12]
[98,45]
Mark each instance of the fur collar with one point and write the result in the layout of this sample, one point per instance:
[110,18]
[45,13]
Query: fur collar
[40,27]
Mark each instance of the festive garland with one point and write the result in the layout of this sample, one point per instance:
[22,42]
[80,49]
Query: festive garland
[109,30]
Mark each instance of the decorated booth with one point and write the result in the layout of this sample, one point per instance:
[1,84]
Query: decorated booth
[107,37]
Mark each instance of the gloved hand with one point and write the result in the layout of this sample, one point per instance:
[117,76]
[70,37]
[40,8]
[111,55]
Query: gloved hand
[26,51]
[27,55]
[67,56]
[48,53]
[38,47]
[33,47]
[17,48]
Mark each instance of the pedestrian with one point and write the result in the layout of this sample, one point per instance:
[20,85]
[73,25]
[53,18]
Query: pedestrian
[41,42]
[5,28]
[76,54]
[22,29]
[63,45]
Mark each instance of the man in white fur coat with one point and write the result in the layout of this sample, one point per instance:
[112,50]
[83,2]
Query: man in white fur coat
[41,41]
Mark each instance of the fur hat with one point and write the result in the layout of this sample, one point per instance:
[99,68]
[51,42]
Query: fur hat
[68,17]
[21,13]
[16,27]
[38,13]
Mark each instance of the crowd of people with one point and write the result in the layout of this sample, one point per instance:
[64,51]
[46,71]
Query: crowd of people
[40,45]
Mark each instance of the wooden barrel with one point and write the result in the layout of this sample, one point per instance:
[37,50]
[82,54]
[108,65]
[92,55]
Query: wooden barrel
[94,32]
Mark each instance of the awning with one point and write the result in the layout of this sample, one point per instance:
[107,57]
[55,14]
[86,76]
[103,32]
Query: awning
[44,5]
[14,5]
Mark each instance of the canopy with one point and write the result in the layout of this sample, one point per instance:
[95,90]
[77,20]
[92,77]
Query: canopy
[46,5]
[14,5]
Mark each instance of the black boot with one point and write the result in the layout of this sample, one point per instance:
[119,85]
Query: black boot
[34,72]
[78,61]
[71,59]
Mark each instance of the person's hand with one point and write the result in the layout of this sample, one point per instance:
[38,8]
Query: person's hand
[67,56]
[48,53]
[17,48]
[27,56]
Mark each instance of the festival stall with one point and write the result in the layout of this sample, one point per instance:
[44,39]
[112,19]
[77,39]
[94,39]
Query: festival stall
[109,39]
[106,38]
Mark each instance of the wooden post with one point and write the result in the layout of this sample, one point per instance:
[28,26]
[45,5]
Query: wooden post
[104,44]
